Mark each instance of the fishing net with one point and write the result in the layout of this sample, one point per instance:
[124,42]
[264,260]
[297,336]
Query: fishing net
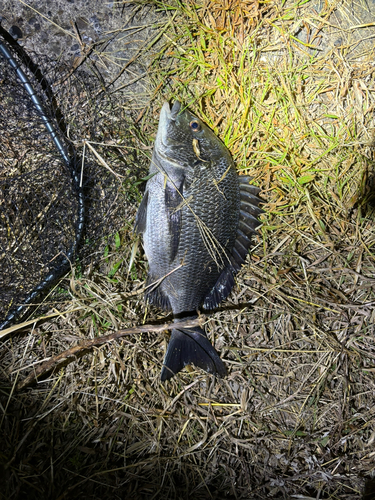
[55,194]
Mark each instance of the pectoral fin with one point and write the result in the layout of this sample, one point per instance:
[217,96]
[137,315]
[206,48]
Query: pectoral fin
[173,201]
[141,217]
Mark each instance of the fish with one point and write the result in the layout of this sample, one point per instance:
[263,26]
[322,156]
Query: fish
[197,219]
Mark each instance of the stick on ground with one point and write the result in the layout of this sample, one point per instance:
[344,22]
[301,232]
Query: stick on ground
[75,352]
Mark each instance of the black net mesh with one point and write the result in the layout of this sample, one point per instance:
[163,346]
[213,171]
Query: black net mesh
[40,206]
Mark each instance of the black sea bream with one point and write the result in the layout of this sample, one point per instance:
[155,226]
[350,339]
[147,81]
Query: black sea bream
[197,217]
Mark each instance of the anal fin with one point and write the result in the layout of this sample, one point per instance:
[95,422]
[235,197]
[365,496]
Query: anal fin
[221,290]
[155,296]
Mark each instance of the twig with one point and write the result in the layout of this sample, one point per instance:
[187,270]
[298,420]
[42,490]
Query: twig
[76,352]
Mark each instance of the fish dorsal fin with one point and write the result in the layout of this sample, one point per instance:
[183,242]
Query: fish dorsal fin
[173,203]
[248,221]
[247,227]
[141,217]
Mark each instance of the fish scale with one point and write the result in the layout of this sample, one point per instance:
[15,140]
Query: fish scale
[196,218]
[199,271]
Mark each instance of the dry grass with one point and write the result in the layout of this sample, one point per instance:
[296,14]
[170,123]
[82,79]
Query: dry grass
[295,418]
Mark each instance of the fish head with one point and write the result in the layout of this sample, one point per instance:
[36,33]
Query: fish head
[182,138]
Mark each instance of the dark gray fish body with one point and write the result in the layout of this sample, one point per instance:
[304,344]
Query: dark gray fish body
[197,219]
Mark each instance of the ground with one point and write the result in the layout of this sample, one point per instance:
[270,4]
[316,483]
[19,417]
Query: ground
[290,90]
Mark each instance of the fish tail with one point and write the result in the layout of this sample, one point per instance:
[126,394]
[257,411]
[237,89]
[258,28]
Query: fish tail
[191,346]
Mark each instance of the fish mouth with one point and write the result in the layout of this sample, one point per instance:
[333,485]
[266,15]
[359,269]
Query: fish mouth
[167,113]
[175,109]
[167,118]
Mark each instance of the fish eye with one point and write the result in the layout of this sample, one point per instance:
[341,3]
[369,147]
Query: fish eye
[195,125]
